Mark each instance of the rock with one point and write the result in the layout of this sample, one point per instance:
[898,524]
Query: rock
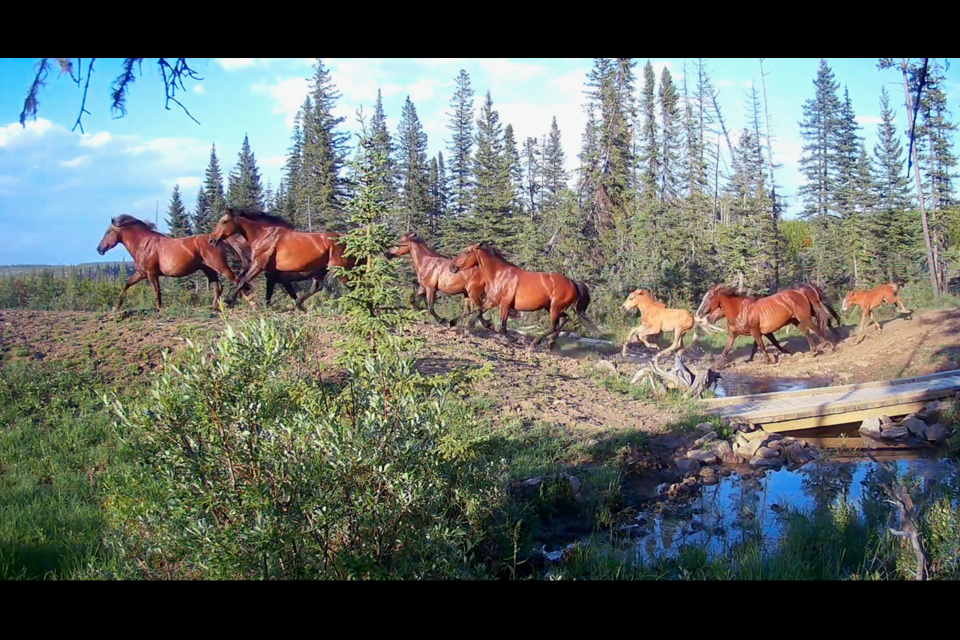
[573,481]
[593,442]
[766,452]
[745,472]
[870,428]
[696,525]
[796,454]
[776,445]
[761,435]
[894,433]
[916,426]
[529,485]
[937,433]
[688,467]
[812,450]
[704,427]
[707,471]
[710,480]
[885,421]
[749,449]
[705,438]
[761,473]
[606,366]
[763,458]
[723,450]
[726,473]
[935,407]
[701,456]
[739,426]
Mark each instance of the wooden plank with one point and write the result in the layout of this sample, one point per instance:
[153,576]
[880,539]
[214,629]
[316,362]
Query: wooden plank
[830,420]
[822,390]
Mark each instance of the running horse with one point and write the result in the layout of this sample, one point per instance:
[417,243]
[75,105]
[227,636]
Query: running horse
[509,287]
[868,301]
[657,319]
[156,254]
[820,303]
[434,274]
[283,253]
[759,317]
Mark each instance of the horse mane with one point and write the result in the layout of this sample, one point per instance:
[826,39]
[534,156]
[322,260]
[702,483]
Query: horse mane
[486,246]
[730,290]
[124,220]
[255,215]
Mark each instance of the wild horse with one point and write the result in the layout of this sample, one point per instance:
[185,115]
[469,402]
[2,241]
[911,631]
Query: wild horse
[868,301]
[509,287]
[759,317]
[283,253]
[156,254]
[657,319]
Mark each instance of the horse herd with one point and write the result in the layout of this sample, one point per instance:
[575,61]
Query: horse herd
[268,244]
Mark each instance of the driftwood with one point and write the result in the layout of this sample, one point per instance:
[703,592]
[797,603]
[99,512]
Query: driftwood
[693,383]
[908,517]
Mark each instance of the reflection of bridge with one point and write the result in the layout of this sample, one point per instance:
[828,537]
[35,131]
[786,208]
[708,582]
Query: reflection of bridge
[827,406]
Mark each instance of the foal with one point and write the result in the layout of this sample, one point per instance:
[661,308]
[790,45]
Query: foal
[868,301]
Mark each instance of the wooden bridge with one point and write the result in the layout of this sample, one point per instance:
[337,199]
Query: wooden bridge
[828,406]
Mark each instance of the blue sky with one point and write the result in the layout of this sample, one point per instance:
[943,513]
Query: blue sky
[58,190]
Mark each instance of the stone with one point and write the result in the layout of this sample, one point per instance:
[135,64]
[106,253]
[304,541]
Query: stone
[766,452]
[704,427]
[747,450]
[701,456]
[707,471]
[935,407]
[885,421]
[573,481]
[705,438]
[593,442]
[726,473]
[761,473]
[762,460]
[870,428]
[937,433]
[605,366]
[916,426]
[894,433]
[739,426]
[723,450]
[796,454]
[812,450]
[688,467]
[776,445]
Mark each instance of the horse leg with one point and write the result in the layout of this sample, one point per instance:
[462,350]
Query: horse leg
[758,342]
[215,281]
[504,315]
[724,355]
[555,314]
[132,280]
[676,346]
[879,328]
[314,287]
[155,281]
[773,340]
[431,299]
[899,302]
[626,343]
[271,284]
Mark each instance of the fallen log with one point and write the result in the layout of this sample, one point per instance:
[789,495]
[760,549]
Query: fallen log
[693,383]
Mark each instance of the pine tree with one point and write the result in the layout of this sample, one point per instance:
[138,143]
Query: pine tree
[382,144]
[650,162]
[442,191]
[200,214]
[493,193]
[514,167]
[413,183]
[214,200]
[244,190]
[532,176]
[554,165]
[294,192]
[461,145]
[324,153]
[894,231]
[178,221]
[671,132]
[269,197]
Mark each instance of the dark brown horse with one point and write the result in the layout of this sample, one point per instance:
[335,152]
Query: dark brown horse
[509,287]
[759,317]
[282,252]
[156,254]
[821,303]
[433,275]
[868,301]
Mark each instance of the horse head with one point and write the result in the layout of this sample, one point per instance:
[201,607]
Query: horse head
[633,300]
[111,238]
[847,301]
[468,258]
[226,227]
[403,247]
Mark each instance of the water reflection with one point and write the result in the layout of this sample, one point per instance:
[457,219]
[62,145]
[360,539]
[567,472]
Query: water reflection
[735,384]
[754,510]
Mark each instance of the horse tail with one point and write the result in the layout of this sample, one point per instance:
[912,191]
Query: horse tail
[240,248]
[583,301]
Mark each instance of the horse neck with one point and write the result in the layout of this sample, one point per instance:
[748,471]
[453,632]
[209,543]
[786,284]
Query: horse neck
[491,264]
[731,306]
[419,251]
[249,229]
[133,237]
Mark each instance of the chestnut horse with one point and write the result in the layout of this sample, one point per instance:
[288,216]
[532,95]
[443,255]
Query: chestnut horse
[868,301]
[156,254]
[433,274]
[285,254]
[821,303]
[656,319]
[759,317]
[509,287]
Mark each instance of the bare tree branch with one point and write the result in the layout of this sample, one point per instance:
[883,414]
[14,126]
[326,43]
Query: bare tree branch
[83,103]
[120,88]
[174,81]
[39,81]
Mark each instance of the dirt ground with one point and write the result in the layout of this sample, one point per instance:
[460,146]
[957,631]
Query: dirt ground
[540,386]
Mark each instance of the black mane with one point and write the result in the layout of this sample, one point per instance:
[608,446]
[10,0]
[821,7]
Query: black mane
[124,220]
[259,216]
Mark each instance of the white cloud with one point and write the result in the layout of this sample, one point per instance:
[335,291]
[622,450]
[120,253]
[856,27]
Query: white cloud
[288,95]
[97,140]
[658,68]
[869,120]
[725,83]
[570,85]
[76,162]
[188,182]
[275,161]
[198,88]
[36,127]
[232,64]
[422,89]
[505,70]
[438,62]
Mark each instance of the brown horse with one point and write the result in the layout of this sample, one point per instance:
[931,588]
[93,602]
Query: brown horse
[759,317]
[156,254]
[285,254]
[433,274]
[509,287]
[656,318]
[868,301]
[821,305]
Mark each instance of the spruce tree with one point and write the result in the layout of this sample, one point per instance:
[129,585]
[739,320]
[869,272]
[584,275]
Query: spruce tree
[413,182]
[554,165]
[178,221]
[324,153]
[442,191]
[382,144]
[514,167]
[293,171]
[200,221]
[269,197]
[493,193]
[650,162]
[532,176]
[214,200]
[670,132]
[461,145]
[244,190]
